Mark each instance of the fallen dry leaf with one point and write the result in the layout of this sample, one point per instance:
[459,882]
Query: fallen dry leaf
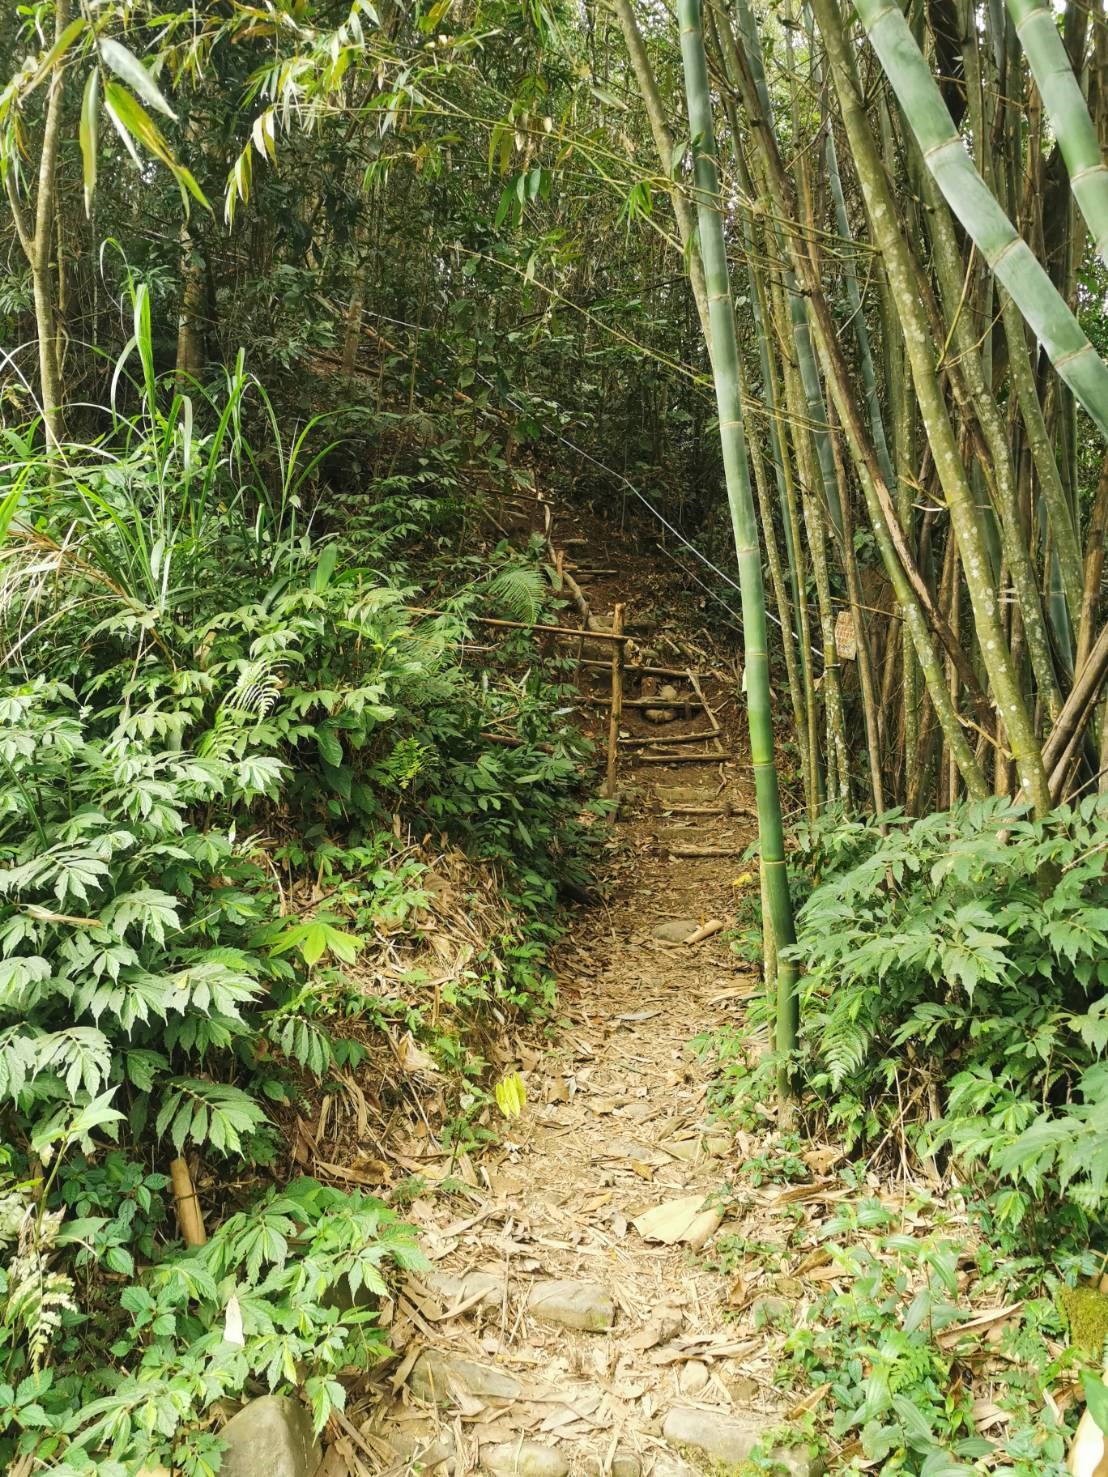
[809,1403]
[412,1057]
[661,1328]
[685,1220]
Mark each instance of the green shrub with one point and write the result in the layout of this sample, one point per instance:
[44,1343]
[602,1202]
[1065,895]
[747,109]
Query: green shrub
[966,955]
[231,751]
[282,1296]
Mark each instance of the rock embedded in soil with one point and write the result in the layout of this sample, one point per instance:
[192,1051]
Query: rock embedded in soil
[667,1465]
[666,694]
[693,1377]
[624,1464]
[675,930]
[486,1287]
[770,1308]
[523,1459]
[583,1305]
[435,1374]
[725,1439]
[270,1437]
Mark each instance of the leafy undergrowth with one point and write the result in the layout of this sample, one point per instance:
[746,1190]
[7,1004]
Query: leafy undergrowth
[911,1334]
[265,834]
[952,1034]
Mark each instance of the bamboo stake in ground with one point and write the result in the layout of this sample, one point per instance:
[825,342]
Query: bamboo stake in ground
[616,713]
[189,1216]
[725,355]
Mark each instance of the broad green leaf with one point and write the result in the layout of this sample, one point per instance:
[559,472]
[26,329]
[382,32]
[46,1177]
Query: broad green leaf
[1096,1398]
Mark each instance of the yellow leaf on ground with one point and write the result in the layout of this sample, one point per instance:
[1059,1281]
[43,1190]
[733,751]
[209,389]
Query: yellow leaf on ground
[511,1095]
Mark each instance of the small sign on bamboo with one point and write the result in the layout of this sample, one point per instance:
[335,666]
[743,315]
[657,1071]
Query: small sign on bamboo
[846,639]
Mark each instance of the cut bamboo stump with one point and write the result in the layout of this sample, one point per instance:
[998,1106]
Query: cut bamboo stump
[189,1216]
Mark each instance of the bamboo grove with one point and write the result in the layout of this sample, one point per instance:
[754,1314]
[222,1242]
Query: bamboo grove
[929,443]
[894,230]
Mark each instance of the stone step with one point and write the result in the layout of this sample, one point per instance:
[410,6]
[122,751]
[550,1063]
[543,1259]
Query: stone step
[729,1440]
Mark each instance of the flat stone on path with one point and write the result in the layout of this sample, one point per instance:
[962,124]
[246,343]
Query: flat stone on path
[676,930]
[436,1374]
[523,1459]
[727,1440]
[666,1465]
[483,1288]
[584,1305]
[270,1437]
[624,1464]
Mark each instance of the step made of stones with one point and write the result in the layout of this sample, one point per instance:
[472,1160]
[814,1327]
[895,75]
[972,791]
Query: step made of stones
[436,1375]
[582,1305]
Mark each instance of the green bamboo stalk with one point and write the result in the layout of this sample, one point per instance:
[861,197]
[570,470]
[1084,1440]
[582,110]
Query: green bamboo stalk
[997,467]
[1008,255]
[777,579]
[1061,93]
[861,639]
[838,762]
[762,309]
[902,425]
[857,316]
[725,354]
[1057,504]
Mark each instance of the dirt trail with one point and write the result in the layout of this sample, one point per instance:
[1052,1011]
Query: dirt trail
[555,1332]
[661,1379]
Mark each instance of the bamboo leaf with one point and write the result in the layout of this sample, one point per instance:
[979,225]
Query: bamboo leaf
[56,52]
[128,67]
[511,1095]
[90,116]
[132,122]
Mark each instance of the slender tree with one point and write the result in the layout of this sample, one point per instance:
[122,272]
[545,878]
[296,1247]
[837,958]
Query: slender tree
[725,372]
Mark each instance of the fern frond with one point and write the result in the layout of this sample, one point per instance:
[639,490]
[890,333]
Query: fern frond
[517,592]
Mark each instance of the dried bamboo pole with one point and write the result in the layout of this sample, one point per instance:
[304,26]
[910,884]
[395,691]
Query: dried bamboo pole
[190,1219]
[617,705]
